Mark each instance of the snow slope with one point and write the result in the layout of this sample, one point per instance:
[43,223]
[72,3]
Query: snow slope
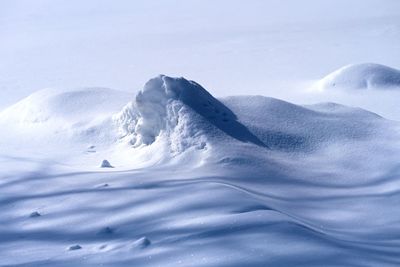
[197,181]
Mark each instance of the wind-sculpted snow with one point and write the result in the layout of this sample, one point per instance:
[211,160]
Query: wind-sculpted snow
[175,115]
[362,76]
[285,126]
[181,109]
[180,178]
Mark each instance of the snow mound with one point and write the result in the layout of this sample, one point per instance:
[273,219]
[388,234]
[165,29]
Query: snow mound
[175,121]
[182,111]
[51,117]
[362,76]
[74,106]
[285,126]
[106,164]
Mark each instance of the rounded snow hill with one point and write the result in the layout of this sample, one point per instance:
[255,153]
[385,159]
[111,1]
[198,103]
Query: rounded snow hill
[362,76]
[52,120]
[67,106]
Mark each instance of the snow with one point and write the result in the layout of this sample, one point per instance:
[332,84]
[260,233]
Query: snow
[363,76]
[177,108]
[74,247]
[230,47]
[35,214]
[320,181]
[275,145]
[106,164]
[62,106]
[142,242]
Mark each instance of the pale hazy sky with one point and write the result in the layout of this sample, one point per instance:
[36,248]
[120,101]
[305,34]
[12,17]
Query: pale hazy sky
[263,47]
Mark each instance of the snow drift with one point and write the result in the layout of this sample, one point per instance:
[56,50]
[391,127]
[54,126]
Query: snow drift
[186,115]
[68,107]
[236,181]
[170,116]
[183,111]
[362,76]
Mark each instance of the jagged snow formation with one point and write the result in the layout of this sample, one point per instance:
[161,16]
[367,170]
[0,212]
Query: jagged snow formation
[180,110]
[362,76]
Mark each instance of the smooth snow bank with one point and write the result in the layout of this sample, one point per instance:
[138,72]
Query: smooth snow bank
[362,76]
[69,107]
[285,126]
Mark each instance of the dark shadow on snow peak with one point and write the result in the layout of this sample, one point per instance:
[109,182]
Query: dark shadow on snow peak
[203,103]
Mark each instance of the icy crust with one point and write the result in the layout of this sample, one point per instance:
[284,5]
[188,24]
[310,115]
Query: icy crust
[180,110]
[362,76]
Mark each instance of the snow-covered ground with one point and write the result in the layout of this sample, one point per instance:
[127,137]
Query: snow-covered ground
[288,156]
[191,180]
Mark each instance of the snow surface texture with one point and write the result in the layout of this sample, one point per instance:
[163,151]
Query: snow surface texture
[363,76]
[197,181]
